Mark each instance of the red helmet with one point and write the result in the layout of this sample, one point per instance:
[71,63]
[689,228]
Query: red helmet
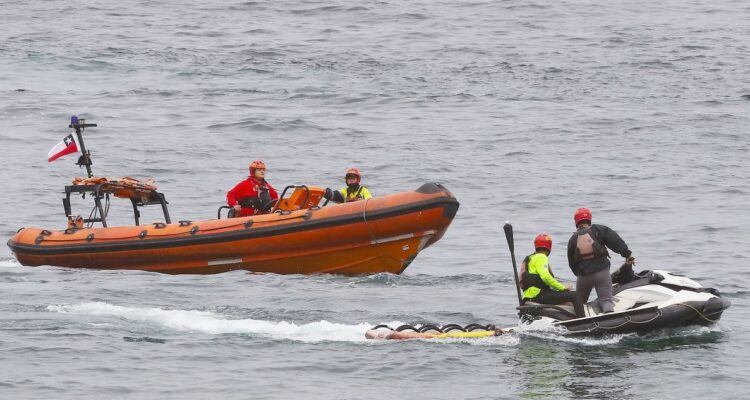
[582,214]
[255,165]
[355,172]
[543,241]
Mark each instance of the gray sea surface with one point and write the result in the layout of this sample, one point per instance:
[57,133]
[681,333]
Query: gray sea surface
[525,110]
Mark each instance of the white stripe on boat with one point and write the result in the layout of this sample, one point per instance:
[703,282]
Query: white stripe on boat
[402,237]
[226,261]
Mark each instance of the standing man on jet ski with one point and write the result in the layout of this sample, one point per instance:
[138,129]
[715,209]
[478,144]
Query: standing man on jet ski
[254,195]
[538,282]
[588,258]
[353,191]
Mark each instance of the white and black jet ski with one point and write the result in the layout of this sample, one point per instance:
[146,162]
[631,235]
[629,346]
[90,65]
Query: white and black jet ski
[643,302]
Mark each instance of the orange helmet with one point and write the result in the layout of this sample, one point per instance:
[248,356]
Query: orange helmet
[582,214]
[255,165]
[543,241]
[355,172]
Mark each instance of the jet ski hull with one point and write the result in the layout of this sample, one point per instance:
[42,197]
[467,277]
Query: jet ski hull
[653,300]
[649,319]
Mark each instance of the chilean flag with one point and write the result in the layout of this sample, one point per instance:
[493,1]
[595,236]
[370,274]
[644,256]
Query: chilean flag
[68,145]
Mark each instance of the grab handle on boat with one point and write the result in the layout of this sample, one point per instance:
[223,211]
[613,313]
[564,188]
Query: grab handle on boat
[229,213]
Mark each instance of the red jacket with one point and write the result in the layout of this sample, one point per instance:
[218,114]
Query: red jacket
[248,189]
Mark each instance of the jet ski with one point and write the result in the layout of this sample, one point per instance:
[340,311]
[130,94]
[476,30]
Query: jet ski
[643,302]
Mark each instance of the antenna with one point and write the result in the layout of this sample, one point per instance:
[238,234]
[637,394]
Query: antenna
[79,125]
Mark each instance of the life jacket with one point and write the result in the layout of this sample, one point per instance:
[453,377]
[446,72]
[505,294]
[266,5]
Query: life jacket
[354,195]
[528,279]
[263,196]
[587,248]
[258,202]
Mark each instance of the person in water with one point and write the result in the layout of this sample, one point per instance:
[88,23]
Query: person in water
[385,333]
[538,282]
[254,195]
[588,258]
[390,334]
[354,191]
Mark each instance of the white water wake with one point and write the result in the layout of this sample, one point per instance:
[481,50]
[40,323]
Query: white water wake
[216,324]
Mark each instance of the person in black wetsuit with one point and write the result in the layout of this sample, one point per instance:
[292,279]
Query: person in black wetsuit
[588,258]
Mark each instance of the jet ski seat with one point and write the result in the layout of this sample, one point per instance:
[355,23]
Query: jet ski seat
[566,311]
[562,311]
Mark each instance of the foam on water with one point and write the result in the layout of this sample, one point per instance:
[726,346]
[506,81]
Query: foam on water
[9,263]
[217,324]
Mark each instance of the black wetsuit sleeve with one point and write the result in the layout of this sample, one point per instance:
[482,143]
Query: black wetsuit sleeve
[338,197]
[612,240]
[572,254]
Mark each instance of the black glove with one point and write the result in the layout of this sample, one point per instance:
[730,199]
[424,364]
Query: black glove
[268,206]
[328,194]
[624,274]
[248,202]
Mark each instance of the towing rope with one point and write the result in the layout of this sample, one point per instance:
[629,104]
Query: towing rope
[700,314]
[628,320]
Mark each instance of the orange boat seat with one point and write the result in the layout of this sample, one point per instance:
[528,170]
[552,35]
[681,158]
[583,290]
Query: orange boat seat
[296,201]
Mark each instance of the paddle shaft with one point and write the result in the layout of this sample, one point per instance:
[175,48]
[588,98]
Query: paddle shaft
[508,228]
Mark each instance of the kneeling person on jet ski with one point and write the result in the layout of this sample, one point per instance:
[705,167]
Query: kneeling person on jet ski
[588,258]
[539,284]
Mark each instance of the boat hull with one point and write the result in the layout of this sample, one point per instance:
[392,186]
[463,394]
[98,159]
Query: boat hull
[381,234]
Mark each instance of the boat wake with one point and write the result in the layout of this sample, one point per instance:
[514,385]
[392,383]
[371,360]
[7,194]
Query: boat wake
[9,263]
[217,324]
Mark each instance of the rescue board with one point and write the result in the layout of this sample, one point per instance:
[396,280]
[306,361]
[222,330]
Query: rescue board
[452,331]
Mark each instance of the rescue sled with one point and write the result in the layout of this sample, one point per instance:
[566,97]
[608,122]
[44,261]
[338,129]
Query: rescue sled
[451,331]
[299,235]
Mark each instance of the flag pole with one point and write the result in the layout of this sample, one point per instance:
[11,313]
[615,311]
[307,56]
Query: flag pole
[79,126]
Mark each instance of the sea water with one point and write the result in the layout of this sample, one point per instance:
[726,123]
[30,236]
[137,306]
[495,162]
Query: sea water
[524,110]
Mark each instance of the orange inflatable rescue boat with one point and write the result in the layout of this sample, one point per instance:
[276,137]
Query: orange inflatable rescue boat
[380,234]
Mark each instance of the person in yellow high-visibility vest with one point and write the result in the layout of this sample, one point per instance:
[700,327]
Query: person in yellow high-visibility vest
[539,284]
[353,191]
